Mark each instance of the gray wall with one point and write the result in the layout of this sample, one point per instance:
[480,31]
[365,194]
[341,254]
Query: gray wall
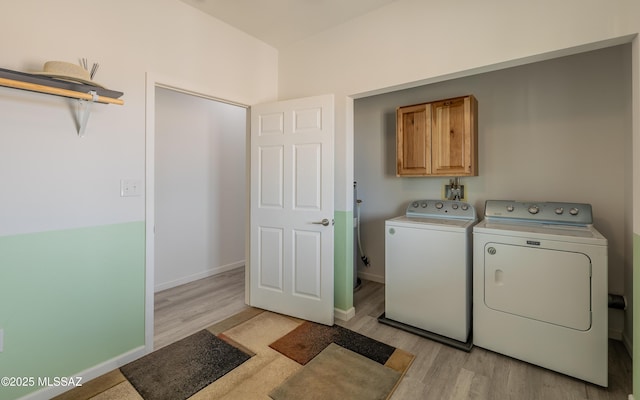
[200,187]
[557,130]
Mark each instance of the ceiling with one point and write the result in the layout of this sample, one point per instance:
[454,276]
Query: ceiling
[282,22]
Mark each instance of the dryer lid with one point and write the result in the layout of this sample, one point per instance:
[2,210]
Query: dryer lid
[574,214]
[540,231]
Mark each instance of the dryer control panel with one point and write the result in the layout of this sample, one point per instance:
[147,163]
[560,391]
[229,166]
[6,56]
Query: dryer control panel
[579,214]
[441,209]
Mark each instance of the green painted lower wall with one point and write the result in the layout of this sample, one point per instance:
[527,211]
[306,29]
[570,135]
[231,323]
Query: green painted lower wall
[343,260]
[636,316]
[70,300]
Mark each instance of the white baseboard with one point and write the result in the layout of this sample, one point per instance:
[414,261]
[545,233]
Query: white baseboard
[343,315]
[630,397]
[194,277]
[371,277]
[615,334]
[88,374]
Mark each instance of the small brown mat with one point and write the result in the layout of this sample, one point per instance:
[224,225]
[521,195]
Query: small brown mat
[309,339]
[183,368]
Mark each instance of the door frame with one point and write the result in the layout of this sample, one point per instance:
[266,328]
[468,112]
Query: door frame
[152,82]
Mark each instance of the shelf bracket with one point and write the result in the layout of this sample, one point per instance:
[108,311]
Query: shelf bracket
[84,110]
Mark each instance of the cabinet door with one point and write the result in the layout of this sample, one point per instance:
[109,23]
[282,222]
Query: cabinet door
[413,140]
[454,137]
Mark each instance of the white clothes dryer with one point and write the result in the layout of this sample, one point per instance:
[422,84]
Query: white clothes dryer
[428,272]
[540,286]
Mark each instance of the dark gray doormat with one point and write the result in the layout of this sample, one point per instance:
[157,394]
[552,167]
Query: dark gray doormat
[183,368]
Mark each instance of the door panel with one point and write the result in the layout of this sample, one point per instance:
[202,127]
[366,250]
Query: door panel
[271,124]
[308,179]
[449,135]
[413,140]
[271,261]
[307,263]
[306,120]
[271,177]
[291,253]
[547,285]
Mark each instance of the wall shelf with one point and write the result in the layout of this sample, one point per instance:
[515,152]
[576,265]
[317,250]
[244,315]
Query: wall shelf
[57,91]
[85,94]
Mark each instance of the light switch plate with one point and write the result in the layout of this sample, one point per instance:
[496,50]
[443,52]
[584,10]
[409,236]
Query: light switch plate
[130,187]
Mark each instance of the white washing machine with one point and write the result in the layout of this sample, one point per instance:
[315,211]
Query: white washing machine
[428,273]
[540,286]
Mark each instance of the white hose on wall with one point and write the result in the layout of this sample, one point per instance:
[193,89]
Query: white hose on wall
[356,238]
[363,256]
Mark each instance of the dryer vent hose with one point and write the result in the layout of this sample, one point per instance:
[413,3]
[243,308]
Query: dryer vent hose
[617,301]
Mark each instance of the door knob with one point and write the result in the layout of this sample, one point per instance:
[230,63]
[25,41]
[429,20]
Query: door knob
[324,222]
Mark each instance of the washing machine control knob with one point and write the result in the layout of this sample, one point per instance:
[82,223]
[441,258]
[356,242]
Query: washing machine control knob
[415,204]
[454,206]
[424,205]
[574,211]
[534,209]
[465,207]
[559,210]
[439,205]
[510,208]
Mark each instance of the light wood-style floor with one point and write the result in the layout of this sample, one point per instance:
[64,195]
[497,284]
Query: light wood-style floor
[439,372]
[186,309]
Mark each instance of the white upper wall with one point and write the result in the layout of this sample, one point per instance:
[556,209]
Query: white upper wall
[416,40]
[129,38]
[51,179]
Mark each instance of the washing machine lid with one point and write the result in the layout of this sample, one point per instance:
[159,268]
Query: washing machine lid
[431,223]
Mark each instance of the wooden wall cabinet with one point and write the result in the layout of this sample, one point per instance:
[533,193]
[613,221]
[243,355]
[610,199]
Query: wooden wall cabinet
[438,138]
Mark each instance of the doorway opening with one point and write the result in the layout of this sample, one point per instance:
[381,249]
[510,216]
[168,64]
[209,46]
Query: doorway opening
[195,197]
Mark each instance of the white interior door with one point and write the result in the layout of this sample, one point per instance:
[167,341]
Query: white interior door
[291,249]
